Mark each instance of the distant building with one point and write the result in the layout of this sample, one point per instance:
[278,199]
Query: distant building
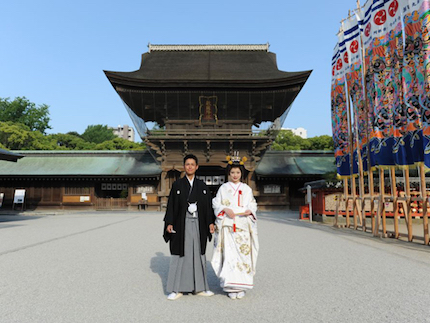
[125,132]
[301,132]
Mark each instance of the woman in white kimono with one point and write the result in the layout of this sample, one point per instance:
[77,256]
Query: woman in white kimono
[236,238]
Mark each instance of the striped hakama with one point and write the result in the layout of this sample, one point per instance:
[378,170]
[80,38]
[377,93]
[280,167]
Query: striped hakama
[188,273]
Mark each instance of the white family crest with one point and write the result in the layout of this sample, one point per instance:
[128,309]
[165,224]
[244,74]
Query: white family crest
[192,208]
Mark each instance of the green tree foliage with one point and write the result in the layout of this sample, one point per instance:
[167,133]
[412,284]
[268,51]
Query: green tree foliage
[21,110]
[74,133]
[286,140]
[72,142]
[119,144]
[17,136]
[97,133]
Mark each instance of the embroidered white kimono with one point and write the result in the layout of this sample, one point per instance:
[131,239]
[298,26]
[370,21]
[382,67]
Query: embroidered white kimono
[235,241]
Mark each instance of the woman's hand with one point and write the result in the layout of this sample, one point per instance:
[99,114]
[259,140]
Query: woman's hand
[211,228]
[247,212]
[229,213]
[169,228]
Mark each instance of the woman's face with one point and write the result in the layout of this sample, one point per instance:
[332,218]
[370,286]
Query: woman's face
[235,175]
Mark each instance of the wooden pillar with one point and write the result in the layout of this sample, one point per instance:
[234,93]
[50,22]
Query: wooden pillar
[382,194]
[381,203]
[424,203]
[408,205]
[63,192]
[164,189]
[251,180]
[336,213]
[354,201]
[346,194]
[395,202]
[372,198]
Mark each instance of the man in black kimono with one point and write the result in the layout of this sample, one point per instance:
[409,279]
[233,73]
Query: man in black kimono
[188,223]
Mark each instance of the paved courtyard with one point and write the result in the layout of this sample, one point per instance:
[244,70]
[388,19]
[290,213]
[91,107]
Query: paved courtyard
[112,267]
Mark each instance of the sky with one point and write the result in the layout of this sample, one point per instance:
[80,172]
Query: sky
[54,52]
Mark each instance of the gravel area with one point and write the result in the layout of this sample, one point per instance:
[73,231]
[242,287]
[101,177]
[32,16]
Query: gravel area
[112,267]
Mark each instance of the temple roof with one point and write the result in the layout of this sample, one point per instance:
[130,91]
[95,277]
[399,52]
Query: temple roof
[82,163]
[208,66]
[142,164]
[288,163]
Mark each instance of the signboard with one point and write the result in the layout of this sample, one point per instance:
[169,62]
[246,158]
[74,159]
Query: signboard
[84,199]
[19,197]
[272,189]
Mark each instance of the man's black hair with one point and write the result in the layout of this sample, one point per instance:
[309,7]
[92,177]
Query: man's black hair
[191,156]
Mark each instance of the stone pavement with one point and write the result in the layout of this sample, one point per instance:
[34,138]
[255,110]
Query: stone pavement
[112,267]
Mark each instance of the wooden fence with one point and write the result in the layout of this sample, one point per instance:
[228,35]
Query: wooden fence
[111,204]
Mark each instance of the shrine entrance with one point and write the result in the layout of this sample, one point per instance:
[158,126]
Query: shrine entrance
[213,176]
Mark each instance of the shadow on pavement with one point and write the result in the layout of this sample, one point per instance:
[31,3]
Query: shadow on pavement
[14,218]
[160,265]
[291,218]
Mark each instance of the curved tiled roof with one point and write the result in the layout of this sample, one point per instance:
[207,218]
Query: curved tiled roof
[82,163]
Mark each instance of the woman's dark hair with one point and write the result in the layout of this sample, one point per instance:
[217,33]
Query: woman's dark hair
[242,170]
[191,156]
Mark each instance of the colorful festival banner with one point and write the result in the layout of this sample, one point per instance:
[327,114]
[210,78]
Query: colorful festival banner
[388,87]
[339,113]
[413,76]
[424,14]
[364,16]
[393,42]
[382,135]
[355,78]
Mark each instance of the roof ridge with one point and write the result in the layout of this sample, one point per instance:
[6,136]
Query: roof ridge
[215,47]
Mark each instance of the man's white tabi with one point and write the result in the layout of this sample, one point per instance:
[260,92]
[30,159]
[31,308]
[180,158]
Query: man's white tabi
[235,240]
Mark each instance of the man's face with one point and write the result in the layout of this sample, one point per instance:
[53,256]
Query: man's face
[190,167]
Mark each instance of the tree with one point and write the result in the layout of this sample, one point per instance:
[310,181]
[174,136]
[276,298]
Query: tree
[97,134]
[21,110]
[286,140]
[17,136]
[321,143]
[72,142]
[120,144]
[74,133]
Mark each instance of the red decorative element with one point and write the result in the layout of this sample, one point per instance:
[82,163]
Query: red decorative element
[367,30]
[339,64]
[234,227]
[239,196]
[334,70]
[354,47]
[380,17]
[345,58]
[221,213]
[392,9]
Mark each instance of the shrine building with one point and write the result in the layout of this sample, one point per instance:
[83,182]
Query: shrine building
[207,100]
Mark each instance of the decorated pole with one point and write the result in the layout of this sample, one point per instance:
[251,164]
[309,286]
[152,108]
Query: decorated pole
[424,203]
[408,215]
[346,194]
[351,159]
[395,201]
